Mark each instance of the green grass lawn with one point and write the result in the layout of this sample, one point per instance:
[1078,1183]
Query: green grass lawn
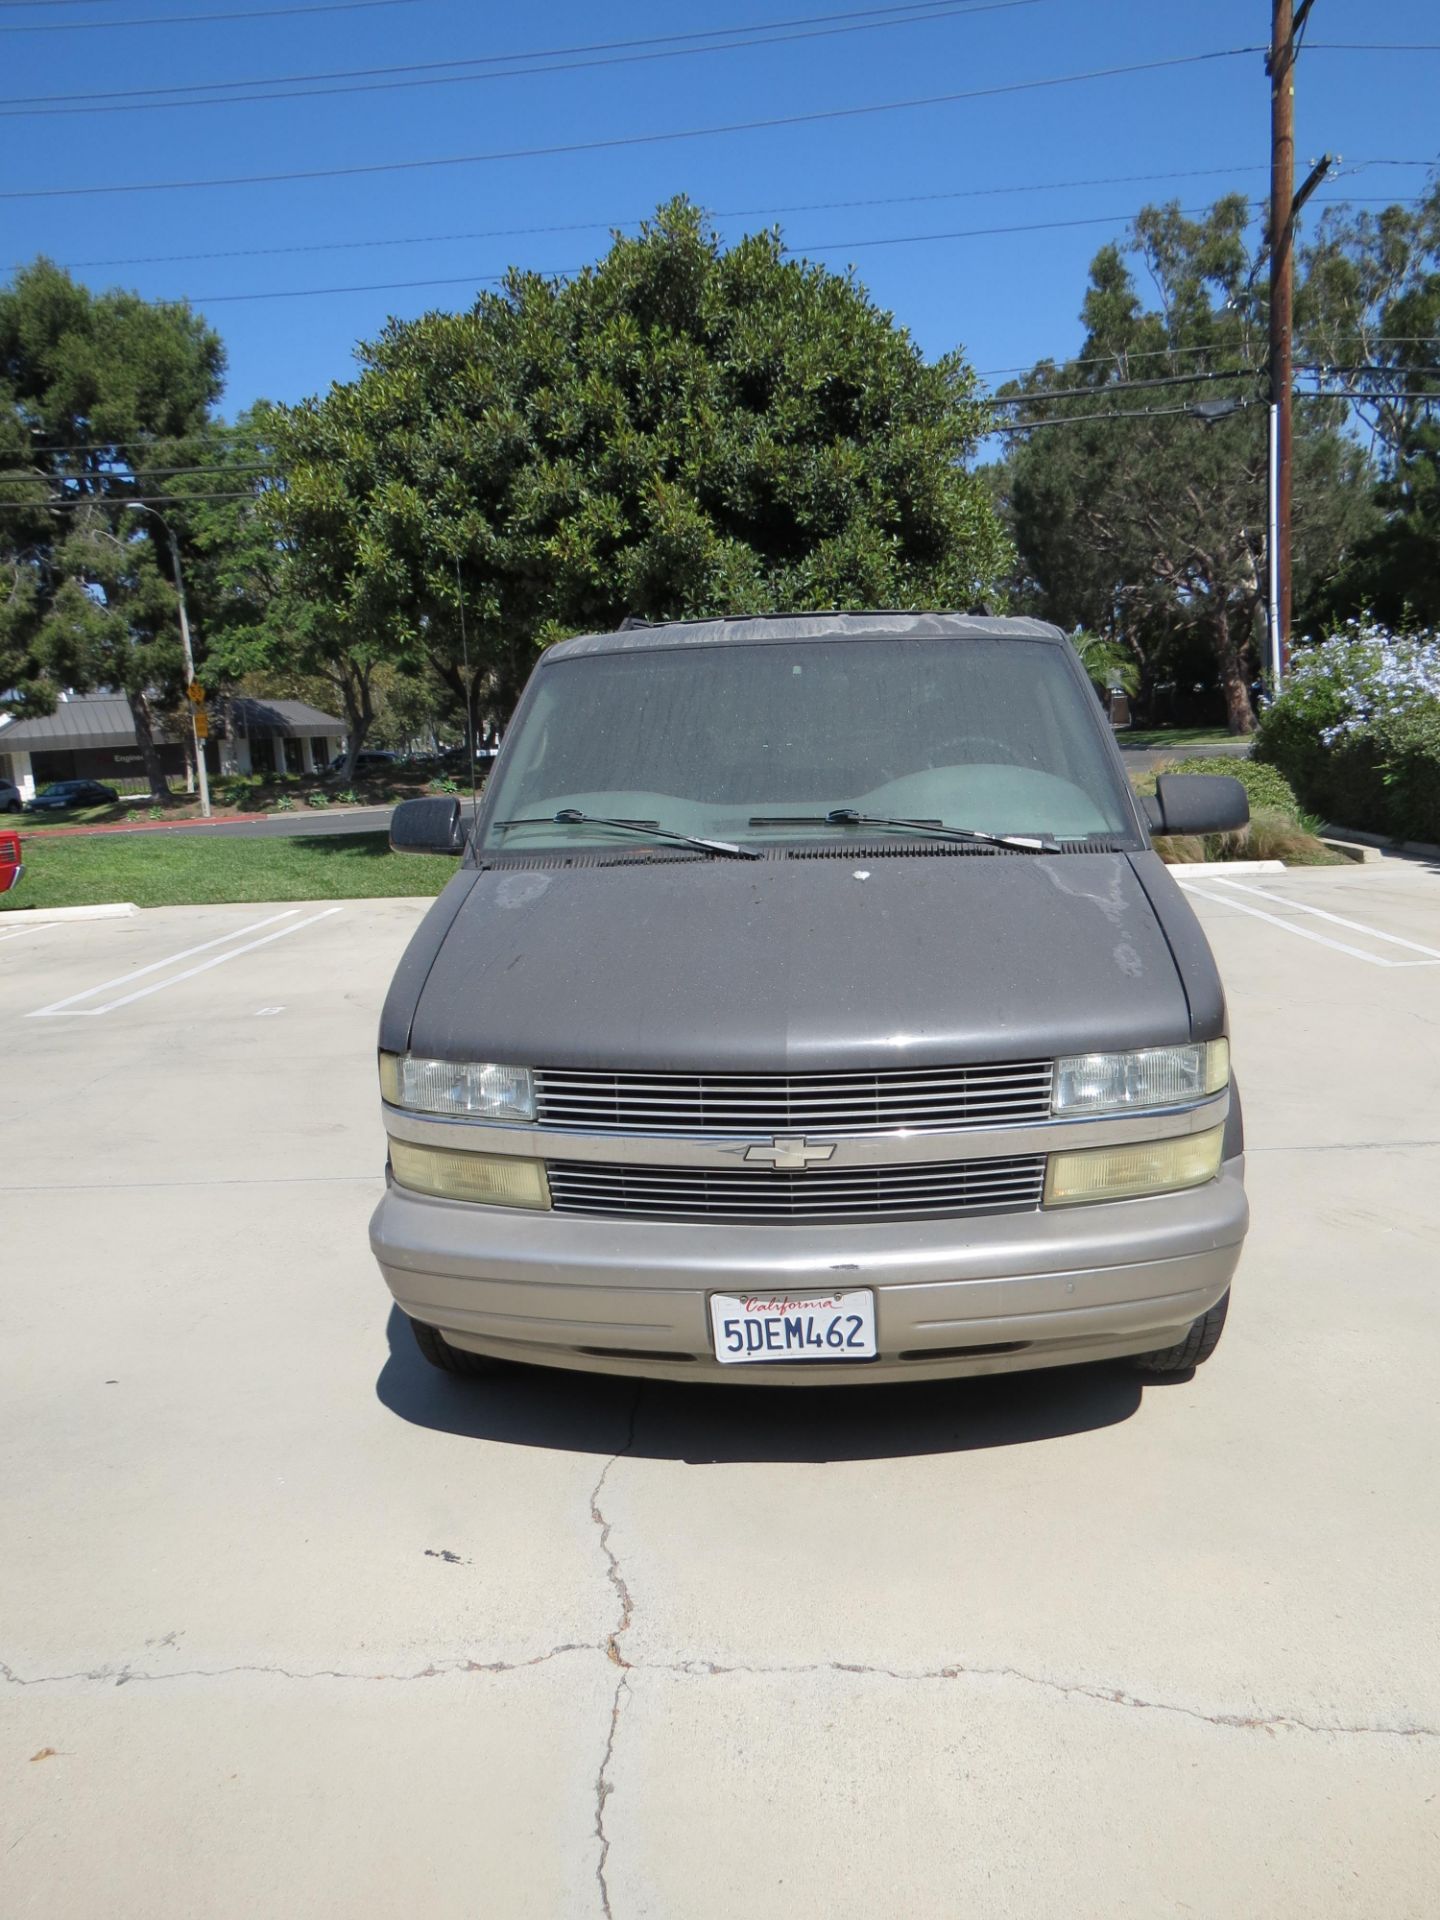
[1162,737]
[104,815]
[173,870]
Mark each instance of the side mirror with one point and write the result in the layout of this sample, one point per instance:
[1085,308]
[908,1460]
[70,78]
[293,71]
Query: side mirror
[1197,803]
[427,826]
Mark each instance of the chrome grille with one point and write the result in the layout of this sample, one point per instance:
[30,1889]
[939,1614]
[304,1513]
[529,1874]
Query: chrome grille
[849,1193]
[933,1100]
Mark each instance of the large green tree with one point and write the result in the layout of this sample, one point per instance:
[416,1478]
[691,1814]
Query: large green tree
[1368,321]
[103,398]
[1151,529]
[683,429]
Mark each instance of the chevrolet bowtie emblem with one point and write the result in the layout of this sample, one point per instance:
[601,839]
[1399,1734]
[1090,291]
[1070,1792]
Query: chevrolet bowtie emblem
[789,1152]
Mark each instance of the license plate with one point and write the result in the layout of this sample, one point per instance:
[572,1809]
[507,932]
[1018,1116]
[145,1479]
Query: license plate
[760,1327]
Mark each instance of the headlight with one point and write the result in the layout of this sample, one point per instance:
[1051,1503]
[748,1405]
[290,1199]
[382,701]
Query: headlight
[489,1179]
[1125,1173]
[457,1086]
[1153,1077]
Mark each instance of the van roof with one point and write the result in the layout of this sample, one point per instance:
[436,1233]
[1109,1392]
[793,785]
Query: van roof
[887,623]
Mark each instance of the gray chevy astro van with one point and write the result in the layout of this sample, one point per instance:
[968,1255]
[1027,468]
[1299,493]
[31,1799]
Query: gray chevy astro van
[809,1006]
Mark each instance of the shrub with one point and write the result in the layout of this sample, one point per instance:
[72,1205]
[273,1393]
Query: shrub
[317,799]
[1271,835]
[1268,789]
[1357,730]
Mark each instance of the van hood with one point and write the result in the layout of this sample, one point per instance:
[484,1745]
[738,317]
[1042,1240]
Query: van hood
[852,962]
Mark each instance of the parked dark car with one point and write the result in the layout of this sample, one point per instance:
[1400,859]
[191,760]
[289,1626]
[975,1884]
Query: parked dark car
[10,800]
[60,795]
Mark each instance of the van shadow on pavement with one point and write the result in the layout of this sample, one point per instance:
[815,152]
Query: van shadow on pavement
[710,1426]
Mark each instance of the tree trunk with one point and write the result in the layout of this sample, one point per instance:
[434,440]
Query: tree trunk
[354,690]
[149,751]
[1230,656]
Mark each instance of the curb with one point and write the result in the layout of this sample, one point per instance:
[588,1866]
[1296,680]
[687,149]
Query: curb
[140,826]
[202,826]
[1381,841]
[110,910]
[1223,869]
[1359,853]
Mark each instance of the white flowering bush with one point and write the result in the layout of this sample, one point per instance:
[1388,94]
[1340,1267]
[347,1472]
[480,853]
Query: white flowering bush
[1357,729]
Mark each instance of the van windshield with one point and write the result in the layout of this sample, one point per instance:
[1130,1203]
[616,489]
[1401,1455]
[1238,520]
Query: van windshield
[757,743]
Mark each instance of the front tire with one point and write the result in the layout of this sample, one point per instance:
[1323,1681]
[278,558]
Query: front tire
[439,1352]
[1191,1352]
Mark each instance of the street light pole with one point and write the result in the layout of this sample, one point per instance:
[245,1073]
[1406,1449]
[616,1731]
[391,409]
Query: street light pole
[201,774]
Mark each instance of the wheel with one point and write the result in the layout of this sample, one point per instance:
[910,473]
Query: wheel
[439,1352]
[1194,1350]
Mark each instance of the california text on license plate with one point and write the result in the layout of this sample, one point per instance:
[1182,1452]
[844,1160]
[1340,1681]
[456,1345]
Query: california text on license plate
[828,1326]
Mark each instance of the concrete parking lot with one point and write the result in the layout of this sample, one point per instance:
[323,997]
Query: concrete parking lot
[292,1625]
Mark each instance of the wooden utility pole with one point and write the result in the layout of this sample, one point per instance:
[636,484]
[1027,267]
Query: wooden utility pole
[1281,66]
[1286,26]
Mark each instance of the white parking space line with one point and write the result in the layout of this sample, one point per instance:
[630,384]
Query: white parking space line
[155,966]
[1232,887]
[18,935]
[1321,913]
[68,1010]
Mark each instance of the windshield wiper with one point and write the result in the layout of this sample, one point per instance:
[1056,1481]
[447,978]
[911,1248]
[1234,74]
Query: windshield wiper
[572,817]
[848,817]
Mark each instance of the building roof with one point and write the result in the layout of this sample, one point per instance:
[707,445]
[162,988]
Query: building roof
[263,719]
[93,721]
[883,623]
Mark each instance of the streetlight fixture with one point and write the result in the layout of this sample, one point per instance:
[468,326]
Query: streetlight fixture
[139,506]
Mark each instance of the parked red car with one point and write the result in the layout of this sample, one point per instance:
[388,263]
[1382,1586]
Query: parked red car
[11,865]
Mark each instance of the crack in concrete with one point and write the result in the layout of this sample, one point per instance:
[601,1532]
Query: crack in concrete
[714,1669]
[1069,1689]
[612,1562]
[126,1675]
[604,1787]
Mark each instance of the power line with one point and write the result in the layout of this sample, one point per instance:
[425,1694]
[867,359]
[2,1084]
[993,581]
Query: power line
[126,500]
[816,117]
[204,19]
[1165,353]
[795,250]
[480,60]
[1098,391]
[137,467]
[1108,387]
[1127,413]
[1370,393]
[727,213]
[1005,428]
[498,279]
[610,226]
[989,399]
[439,73]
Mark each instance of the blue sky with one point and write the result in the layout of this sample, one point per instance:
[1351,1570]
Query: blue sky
[1004,298]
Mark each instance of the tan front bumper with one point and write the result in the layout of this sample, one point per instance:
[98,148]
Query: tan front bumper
[1036,1289]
